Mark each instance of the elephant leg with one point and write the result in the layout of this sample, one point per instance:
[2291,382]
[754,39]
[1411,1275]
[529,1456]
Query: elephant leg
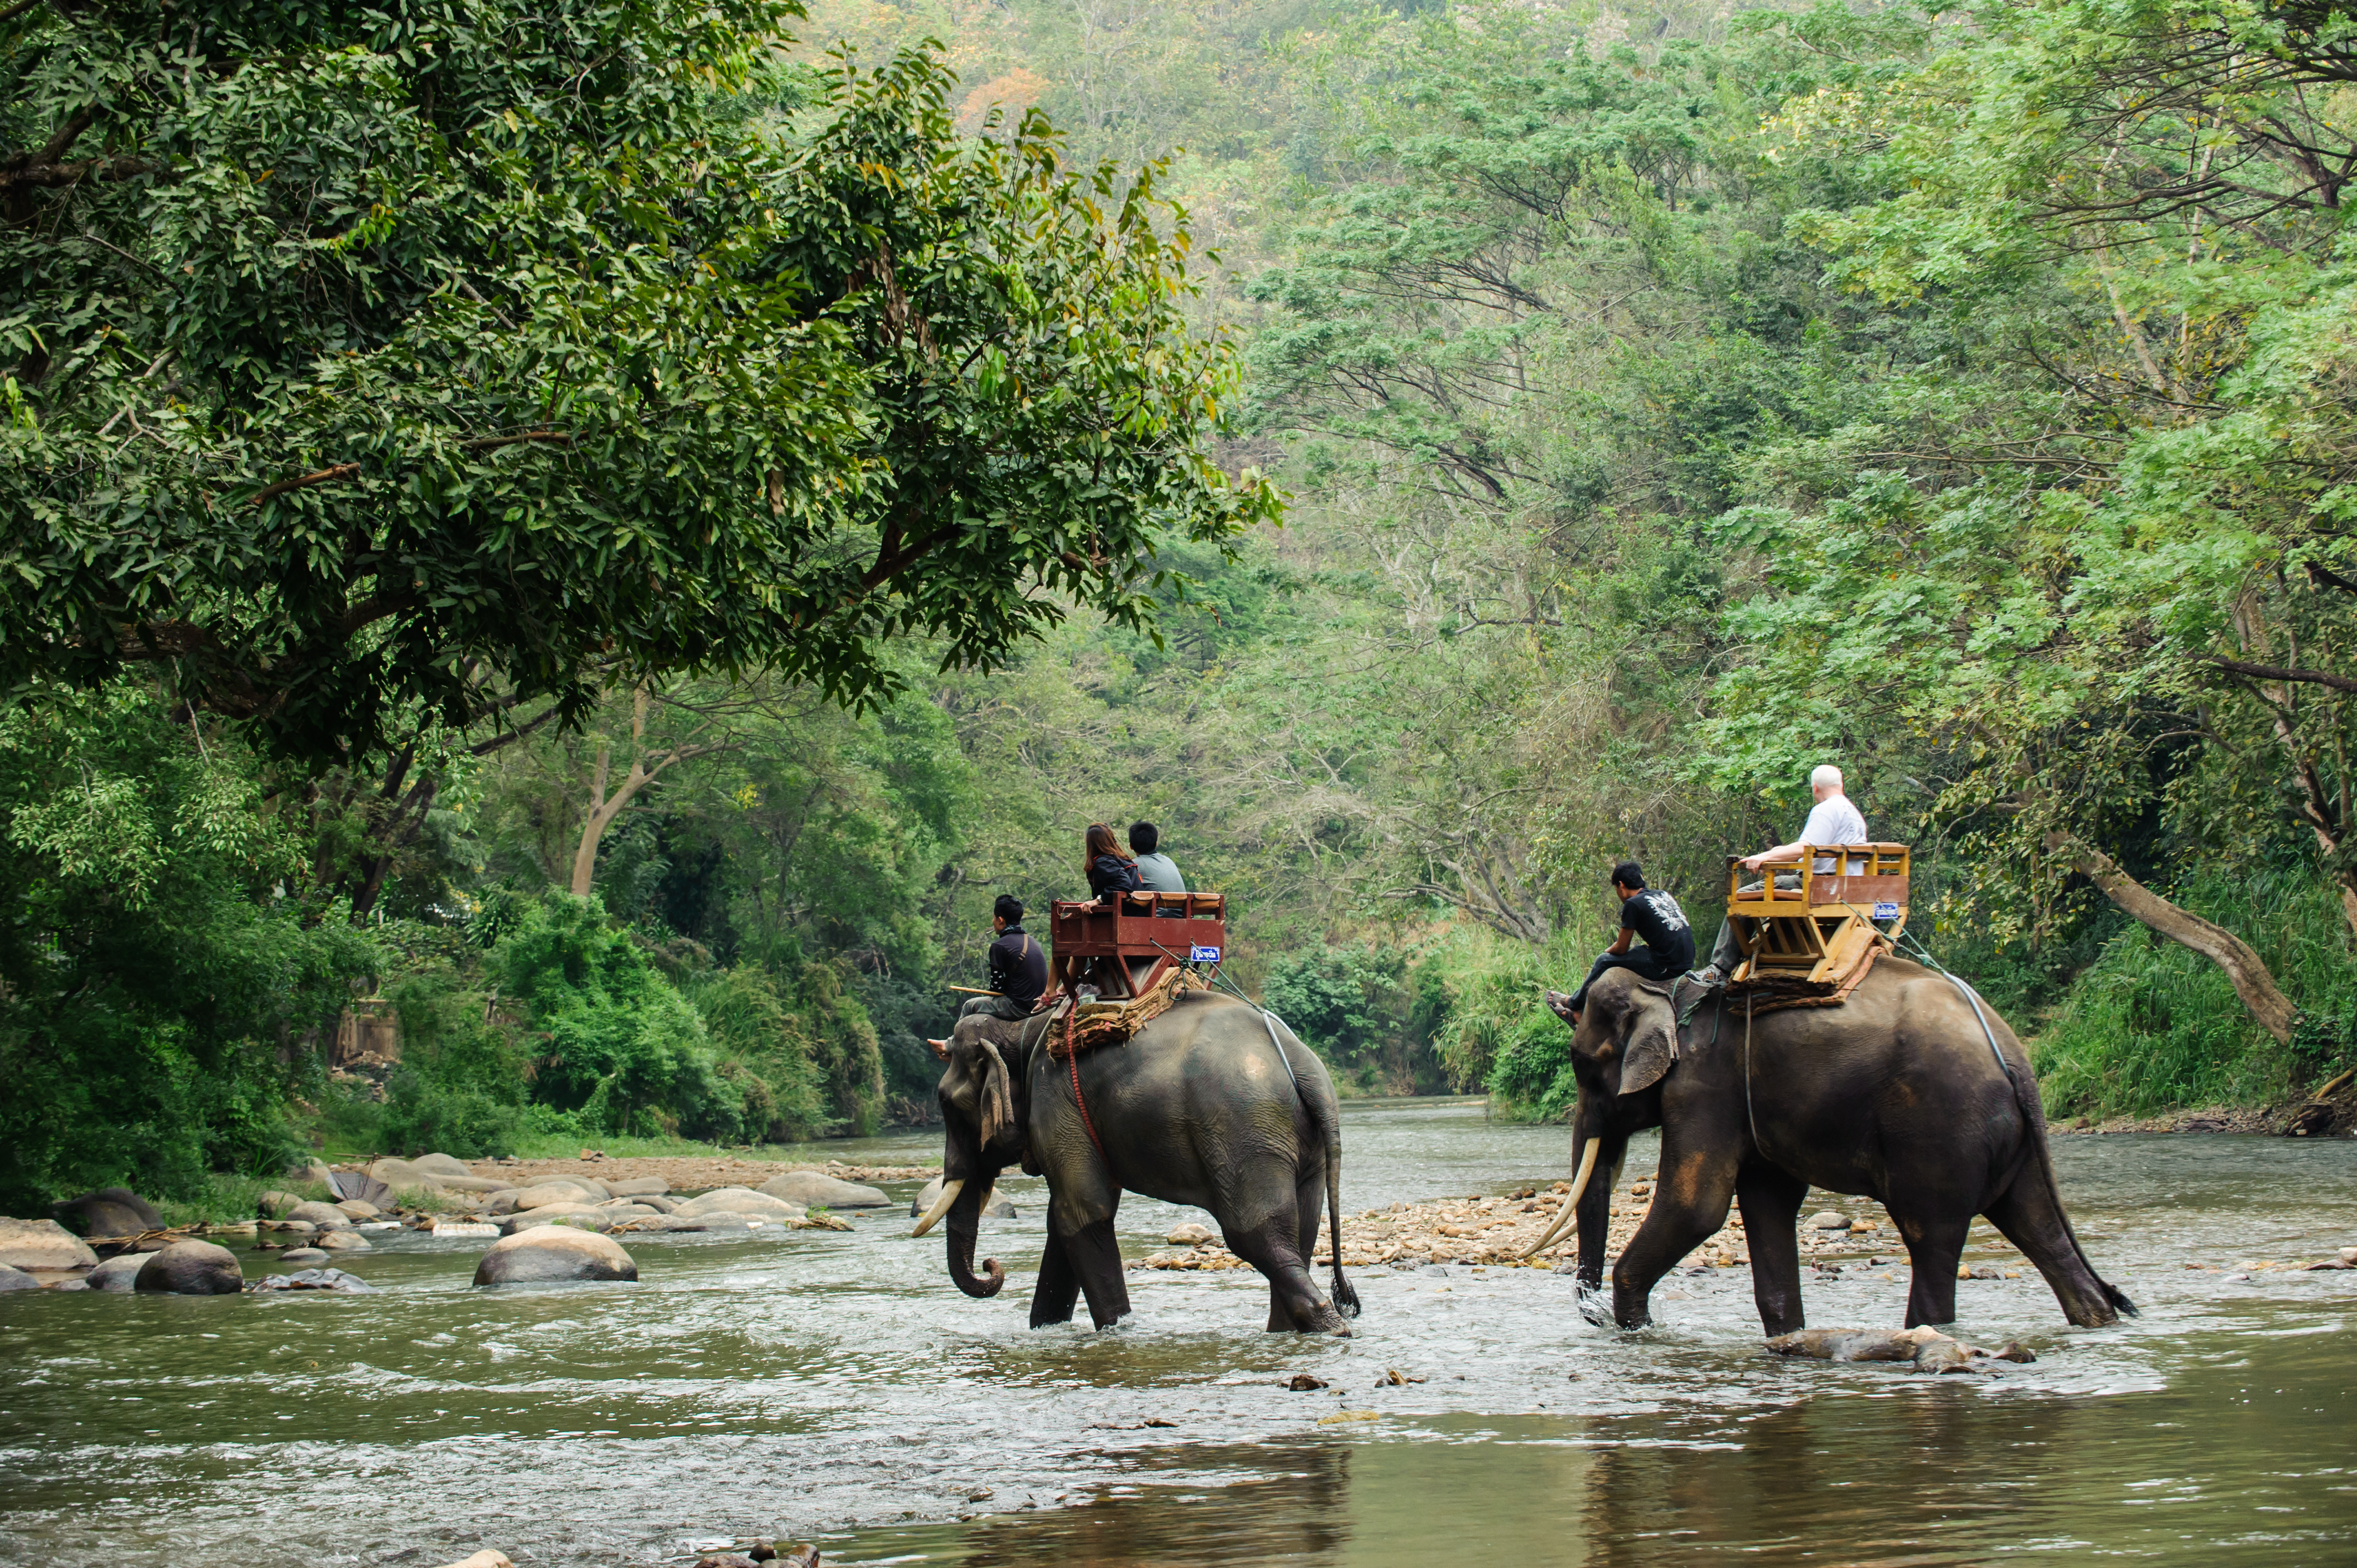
[1058,1286]
[2029,1215]
[1594,1219]
[1093,1255]
[1295,1303]
[1691,1197]
[1933,1248]
[1308,1204]
[1771,1200]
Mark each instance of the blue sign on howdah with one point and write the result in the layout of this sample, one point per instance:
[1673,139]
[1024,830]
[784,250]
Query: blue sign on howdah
[1205,955]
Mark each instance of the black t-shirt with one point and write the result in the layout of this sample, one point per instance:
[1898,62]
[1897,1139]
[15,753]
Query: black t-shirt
[1018,969]
[1662,926]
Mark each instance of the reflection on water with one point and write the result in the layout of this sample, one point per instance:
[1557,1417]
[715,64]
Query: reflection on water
[838,1386]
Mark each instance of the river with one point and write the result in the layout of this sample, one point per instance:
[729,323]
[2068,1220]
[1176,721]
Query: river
[837,1387]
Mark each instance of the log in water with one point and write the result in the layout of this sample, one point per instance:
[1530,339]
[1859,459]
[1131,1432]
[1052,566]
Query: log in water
[835,1386]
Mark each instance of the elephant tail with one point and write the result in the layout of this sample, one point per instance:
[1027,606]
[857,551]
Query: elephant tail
[1326,1122]
[2033,1113]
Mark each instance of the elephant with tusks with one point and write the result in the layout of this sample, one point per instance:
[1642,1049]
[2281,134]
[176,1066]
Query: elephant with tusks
[1214,1103]
[1912,1092]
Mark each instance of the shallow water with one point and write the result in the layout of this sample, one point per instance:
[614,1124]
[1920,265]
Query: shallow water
[837,1386]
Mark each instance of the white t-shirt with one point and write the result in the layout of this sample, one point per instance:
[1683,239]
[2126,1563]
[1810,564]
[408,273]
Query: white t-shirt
[1834,820]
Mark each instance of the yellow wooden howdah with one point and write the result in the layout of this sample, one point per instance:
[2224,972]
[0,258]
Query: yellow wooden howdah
[1816,931]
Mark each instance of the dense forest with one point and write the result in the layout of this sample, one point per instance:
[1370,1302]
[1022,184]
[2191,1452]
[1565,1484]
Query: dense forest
[612,533]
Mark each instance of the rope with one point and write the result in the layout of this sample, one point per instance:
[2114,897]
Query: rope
[1074,1057]
[1749,1115]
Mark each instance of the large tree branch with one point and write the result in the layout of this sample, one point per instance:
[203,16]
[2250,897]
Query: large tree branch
[2268,1006]
[2279,672]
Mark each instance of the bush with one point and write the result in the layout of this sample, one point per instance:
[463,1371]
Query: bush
[2151,1027]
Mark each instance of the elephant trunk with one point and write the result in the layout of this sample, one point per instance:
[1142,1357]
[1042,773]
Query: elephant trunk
[965,1221]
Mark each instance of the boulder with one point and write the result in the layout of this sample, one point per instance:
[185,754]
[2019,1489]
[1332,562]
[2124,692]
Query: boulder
[740,1201]
[120,1273]
[309,1171]
[17,1279]
[70,1283]
[317,1279]
[344,1241]
[473,1183]
[639,1186]
[657,1202]
[589,1183]
[487,1558]
[191,1268]
[326,1216]
[109,1211]
[546,1254]
[278,1205]
[302,1229]
[42,1244]
[1187,1233]
[541,1195]
[1828,1220]
[813,1190]
[303,1257]
[587,1214]
[439,1164]
[502,1202]
[401,1175]
[999,1208]
[356,1210]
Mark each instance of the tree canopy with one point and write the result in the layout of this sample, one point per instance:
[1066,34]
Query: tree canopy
[371,358]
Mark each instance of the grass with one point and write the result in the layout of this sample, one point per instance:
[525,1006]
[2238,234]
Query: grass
[2151,1027]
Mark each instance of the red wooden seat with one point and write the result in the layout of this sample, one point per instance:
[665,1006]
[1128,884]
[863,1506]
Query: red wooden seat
[1122,949]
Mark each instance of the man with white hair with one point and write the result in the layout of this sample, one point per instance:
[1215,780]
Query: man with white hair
[1832,821]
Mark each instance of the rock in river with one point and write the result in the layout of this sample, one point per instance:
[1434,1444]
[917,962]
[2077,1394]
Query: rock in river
[42,1244]
[740,1201]
[554,1252]
[342,1241]
[120,1273]
[1828,1220]
[191,1268]
[355,1210]
[639,1186]
[304,1257]
[1187,1233]
[440,1164]
[317,1279]
[587,1215]
[814,1189]
[542,1195]
[109,1211]
[17,1279]
[326,1216]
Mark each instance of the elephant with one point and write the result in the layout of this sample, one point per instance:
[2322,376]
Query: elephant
[1213,1103]
[1896,1093]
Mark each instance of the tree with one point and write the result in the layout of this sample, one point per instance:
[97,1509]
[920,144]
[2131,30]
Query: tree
[392,357]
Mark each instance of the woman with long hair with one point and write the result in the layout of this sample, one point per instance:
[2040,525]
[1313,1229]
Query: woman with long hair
[1110,871]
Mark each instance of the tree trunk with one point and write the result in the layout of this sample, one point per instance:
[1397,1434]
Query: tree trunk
[2267,1004]
[644,766]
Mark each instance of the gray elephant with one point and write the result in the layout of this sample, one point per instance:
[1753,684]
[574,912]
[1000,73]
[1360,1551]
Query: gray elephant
[1213,1104]
[1909,1092]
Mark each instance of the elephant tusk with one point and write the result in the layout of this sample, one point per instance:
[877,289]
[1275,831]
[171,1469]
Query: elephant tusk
[950,1191]
[1563,1215]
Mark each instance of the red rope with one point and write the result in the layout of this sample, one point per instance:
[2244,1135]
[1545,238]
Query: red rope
[1074,1057]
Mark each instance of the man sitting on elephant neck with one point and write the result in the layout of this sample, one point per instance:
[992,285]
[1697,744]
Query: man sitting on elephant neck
[1649,915]
[1018,970]
[1832,821]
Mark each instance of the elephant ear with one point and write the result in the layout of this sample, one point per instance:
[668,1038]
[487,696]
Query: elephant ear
[1652,1047]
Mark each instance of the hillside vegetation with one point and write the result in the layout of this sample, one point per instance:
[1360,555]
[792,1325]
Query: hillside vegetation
[1661,403]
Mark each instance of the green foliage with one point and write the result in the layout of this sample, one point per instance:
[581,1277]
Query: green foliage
[158,1005]
[2151,1027]
[380,357]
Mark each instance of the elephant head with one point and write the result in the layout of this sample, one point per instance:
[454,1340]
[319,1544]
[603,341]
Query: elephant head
[984,1107]
[1626,1040]
[1624,1044]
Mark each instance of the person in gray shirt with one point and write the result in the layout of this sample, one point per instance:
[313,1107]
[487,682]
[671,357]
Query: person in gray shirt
[1154,867]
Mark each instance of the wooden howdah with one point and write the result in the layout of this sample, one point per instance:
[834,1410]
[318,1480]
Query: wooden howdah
[1816,932]
[1122,948]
